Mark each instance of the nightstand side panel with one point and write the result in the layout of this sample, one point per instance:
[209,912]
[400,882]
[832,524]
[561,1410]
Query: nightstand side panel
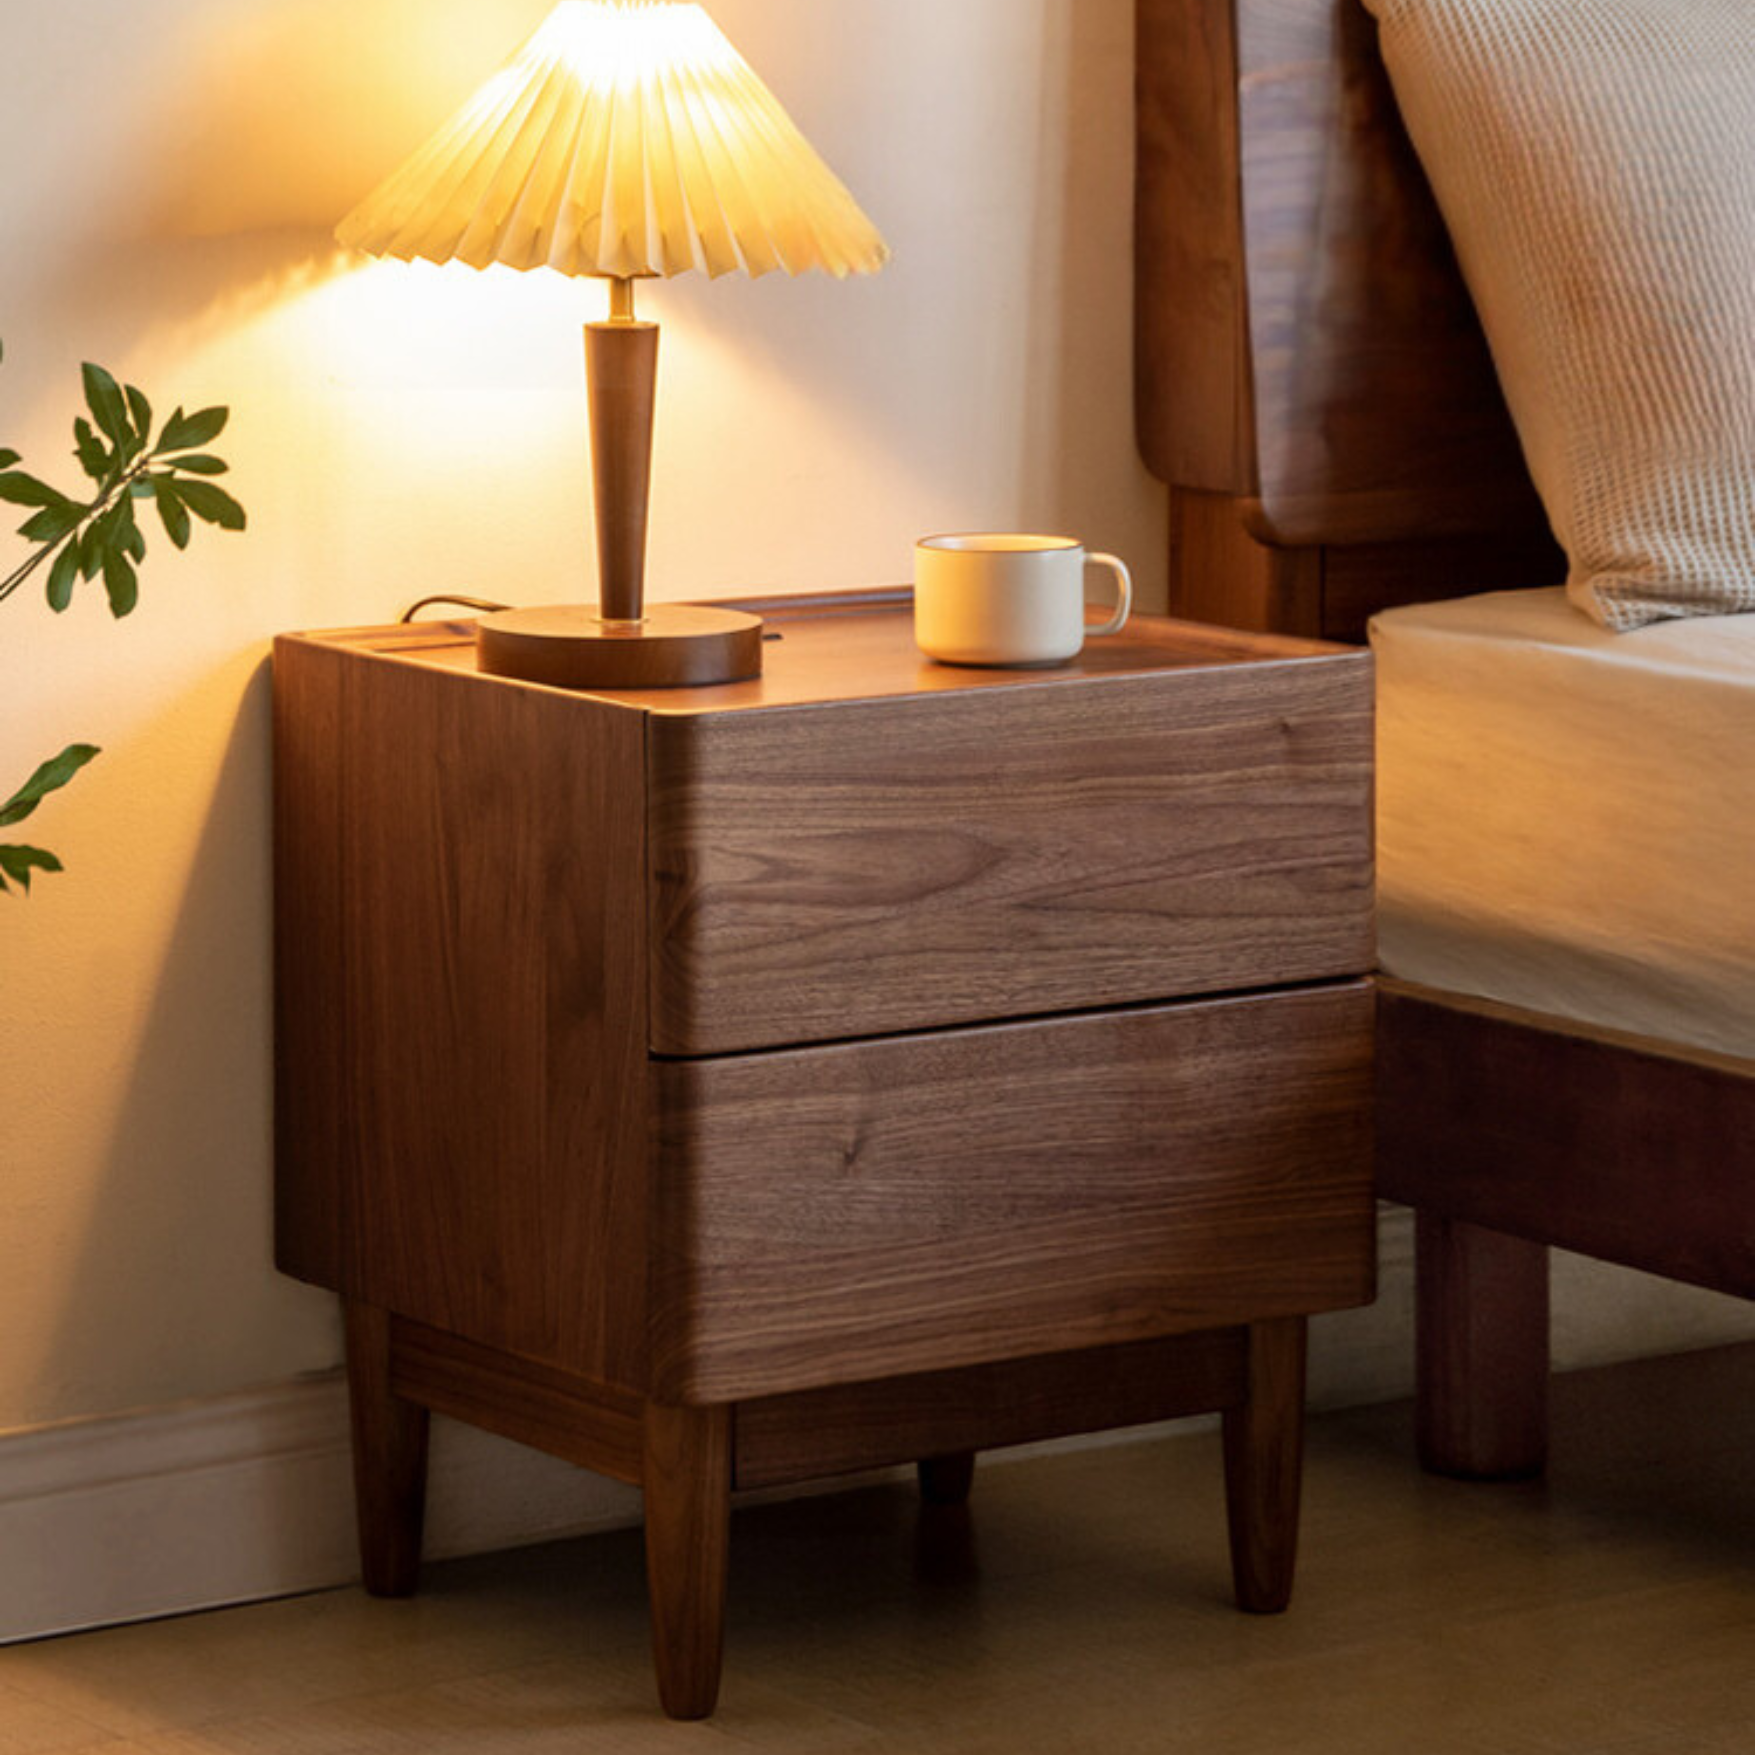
[858,868]
[314,1156]
[461,1097]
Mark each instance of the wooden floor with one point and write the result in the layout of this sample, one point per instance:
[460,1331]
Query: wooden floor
[1081,1605]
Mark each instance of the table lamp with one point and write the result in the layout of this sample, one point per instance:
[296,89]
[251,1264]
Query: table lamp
[626,139]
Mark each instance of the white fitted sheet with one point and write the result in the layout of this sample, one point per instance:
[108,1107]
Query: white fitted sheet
[1566,816]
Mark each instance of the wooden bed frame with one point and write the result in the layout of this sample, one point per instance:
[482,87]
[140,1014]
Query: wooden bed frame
[1314,387]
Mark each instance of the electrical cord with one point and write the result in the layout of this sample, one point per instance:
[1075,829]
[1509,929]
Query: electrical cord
[479,604]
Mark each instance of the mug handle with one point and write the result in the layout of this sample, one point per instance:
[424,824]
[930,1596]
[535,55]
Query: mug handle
[1124,594]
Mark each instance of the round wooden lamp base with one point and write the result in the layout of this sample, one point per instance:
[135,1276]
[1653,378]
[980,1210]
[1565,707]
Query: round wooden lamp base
[675,646]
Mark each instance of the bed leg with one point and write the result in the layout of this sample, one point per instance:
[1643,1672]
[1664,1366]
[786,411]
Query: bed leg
[1481,1323]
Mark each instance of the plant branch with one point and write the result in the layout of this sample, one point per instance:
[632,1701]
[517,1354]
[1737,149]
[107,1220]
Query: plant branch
[103,537]
[118,488]
[108,495]
[19,574]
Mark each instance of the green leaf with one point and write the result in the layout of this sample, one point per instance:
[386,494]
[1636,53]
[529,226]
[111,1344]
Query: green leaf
[119,533]
[52,523]
[17,863]
[113,541]
[7,458]
[172,510]
[201,464]
[212,504]
[95,457]
[183,432]
[104,396]
[140,409]
[120,581]
[91,549]
[27,490]
[62,577]
[50,777]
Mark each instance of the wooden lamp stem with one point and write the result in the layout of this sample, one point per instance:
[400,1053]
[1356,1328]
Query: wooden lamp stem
[617,643]
[621,375]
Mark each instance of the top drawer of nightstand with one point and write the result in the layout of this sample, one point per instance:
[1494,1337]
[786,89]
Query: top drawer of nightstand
[1172,825]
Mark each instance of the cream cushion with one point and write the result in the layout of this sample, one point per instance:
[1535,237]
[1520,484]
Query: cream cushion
[1595,163]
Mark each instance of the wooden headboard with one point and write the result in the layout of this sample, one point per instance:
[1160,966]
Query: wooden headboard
[1311,379]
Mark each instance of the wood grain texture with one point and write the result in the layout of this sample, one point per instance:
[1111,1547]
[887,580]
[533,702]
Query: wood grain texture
[1509,1132]
[592,1424]
[461,1113]
[568,646]
[852,1252]
[1192,407]
[1587,1141]
[904,865]
[461,1107]
[924,1202]
[1310,374]
[621,373]
[389,1457]
[1220,572]
[859,646]
[1264,1467]
[1481,1327]
[1371,411]
[1361,332]
[853,1426]
[688,1516]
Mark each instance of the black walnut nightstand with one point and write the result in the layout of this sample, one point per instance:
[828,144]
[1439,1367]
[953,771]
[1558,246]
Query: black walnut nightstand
[867,1063]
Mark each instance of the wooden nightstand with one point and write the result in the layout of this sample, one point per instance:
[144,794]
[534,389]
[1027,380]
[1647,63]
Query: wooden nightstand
[873,1062]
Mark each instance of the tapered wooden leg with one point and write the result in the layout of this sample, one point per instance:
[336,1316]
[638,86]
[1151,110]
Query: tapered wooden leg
[688,1516]
[1264,1462]
[1481,1325]
[389,1457]
[946,1480]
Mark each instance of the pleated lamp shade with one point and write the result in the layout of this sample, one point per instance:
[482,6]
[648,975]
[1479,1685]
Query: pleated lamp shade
[627,138]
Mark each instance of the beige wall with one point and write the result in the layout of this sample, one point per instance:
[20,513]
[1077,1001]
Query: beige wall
[171,172]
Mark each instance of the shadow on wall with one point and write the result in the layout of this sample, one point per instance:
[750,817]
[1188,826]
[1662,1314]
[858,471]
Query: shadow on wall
[285,114]
[183,1181]
[263,125]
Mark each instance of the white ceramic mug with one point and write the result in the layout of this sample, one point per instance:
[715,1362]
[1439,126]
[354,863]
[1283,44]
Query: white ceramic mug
[1008,600]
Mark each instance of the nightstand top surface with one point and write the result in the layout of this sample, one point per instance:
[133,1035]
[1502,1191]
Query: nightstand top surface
[860,646]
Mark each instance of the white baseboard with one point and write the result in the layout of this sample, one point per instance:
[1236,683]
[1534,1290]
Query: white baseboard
[243,1497]
[249,1496]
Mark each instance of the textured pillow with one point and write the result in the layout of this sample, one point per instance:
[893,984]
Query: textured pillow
[1595,163]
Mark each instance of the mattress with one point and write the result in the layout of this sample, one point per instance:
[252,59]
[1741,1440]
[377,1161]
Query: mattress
[1566,816]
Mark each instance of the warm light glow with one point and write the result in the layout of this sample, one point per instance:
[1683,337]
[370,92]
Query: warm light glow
[627,137]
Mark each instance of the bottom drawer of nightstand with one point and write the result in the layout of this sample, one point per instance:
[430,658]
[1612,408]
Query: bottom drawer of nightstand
[863,1210]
